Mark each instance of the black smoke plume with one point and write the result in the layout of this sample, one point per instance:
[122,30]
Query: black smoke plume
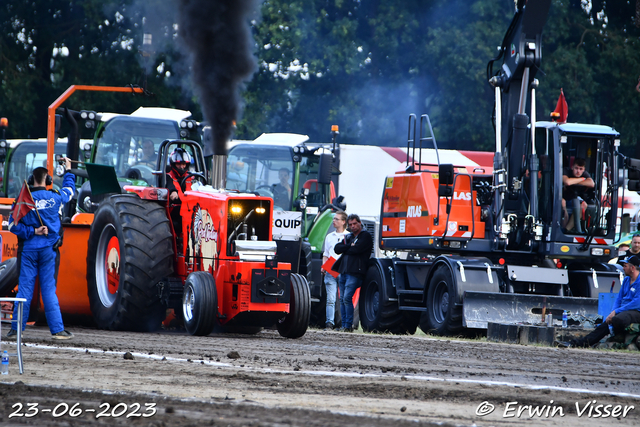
[218,36]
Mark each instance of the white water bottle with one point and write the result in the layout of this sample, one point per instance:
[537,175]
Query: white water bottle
[5,363]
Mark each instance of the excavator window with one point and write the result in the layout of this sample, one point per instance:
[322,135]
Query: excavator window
[593,209]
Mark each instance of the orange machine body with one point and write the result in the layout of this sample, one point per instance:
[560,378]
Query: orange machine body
[411,207]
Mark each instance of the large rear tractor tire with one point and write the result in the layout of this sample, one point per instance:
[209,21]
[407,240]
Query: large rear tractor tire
[442,317]
[130,250]
[9,275]
[378,314]
[296,322]
[200,303]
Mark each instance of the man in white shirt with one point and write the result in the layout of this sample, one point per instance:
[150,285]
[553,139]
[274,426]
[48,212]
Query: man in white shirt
[331,283]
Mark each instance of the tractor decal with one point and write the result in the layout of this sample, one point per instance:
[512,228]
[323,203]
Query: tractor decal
[204,239]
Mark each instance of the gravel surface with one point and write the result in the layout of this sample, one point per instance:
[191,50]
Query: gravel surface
[322,379]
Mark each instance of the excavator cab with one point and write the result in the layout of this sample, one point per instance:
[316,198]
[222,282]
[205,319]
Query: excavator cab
[579,212]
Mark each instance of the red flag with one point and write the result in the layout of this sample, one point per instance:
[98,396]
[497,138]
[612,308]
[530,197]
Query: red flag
[24,204]
[562,109]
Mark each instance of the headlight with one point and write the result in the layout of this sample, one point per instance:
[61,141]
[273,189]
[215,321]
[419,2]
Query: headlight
[236,210]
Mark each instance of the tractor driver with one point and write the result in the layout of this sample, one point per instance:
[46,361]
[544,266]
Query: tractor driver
[149,156]
[282,190]
[179,161]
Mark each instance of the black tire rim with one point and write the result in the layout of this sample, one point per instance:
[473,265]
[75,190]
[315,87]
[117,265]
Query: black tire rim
[372,301]
[440,302]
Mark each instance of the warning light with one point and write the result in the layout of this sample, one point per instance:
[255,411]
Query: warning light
[501,261]
[559,264]
[4,123]
[334,128]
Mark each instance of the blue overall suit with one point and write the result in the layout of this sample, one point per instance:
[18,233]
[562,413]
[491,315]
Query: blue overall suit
[38,257]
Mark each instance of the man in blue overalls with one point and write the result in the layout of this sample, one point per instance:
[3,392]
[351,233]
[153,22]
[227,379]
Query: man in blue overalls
[39,231]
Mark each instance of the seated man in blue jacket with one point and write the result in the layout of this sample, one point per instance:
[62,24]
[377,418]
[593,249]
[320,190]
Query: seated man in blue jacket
[626,308]
[38,232]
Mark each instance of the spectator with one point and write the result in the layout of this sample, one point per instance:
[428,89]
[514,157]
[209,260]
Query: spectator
[577,183]
[622,254]
[339,223]
[626,308]
[355,249]
[634,249]
[39,231]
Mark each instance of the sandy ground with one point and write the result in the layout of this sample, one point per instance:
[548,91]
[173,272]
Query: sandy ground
[321,379]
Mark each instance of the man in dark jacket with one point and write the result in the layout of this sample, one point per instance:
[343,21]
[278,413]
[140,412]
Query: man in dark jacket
[352,266]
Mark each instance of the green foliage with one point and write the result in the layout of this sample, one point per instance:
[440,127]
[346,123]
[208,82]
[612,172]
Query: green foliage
[364,65]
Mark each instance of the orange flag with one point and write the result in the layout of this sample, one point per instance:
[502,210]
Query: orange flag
[562,109]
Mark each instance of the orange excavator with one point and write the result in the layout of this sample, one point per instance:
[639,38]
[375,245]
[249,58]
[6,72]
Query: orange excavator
[483,246]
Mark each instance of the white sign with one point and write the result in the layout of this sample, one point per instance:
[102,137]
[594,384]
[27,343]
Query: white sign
[287,225]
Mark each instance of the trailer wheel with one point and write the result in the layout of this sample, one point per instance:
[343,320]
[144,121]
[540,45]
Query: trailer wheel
[9,272]
[378,314]
[130,250]
[296,322]
[200,303]
[443,317]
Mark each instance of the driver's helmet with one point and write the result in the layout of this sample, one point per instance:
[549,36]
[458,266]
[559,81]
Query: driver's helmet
[179,155]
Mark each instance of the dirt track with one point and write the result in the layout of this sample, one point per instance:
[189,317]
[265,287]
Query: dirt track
[324,378]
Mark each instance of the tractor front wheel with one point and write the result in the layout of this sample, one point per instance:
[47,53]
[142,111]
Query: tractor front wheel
[130,250]
[200,303]
[296,322]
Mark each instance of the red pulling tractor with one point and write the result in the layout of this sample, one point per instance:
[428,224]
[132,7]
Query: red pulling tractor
[211,258]
[218,258]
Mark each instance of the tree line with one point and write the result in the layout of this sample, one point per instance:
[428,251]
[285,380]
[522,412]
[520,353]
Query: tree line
[364,65]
